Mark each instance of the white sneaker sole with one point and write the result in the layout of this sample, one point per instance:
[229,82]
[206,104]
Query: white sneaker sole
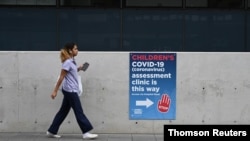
[50,135]
[90,137]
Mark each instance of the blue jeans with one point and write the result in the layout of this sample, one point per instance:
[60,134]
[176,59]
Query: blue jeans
[70,100]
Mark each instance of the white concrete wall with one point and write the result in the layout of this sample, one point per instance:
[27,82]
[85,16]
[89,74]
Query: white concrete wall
[212,88]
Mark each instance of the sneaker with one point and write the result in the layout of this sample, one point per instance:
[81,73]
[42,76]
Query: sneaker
[52,135]
[89,136]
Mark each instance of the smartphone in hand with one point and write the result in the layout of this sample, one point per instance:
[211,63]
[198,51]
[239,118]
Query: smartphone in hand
[85,66]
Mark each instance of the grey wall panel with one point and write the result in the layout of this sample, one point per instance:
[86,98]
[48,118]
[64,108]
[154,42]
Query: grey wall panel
[212,88]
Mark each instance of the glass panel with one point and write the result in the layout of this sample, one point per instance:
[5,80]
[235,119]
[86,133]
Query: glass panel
[248,31]
[147,30]
[92,29]
[91,3]
[27,2]
[226,3]
[154,3]
[28,29]
[196,3]
[75,2]
[214,31]
[46,2]
[7,2]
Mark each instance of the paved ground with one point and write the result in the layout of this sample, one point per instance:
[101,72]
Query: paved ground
[77,137]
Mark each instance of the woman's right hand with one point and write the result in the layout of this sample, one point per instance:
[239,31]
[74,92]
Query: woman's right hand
[53,95]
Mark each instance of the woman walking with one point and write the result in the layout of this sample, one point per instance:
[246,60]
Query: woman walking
[68,79]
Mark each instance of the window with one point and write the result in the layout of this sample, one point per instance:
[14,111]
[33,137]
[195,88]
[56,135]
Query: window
[153,3]
[28,2]
[231,4]
[196,3]
[91,3]
[235,4]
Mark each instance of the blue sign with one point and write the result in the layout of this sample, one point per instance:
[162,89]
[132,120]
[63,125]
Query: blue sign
[152,86]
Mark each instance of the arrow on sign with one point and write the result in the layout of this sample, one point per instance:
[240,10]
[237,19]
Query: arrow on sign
[146,103]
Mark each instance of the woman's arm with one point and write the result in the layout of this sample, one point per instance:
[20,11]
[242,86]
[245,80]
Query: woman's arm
[58,84]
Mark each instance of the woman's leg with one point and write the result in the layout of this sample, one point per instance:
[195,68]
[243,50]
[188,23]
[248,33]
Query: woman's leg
[61,115]
[81,118]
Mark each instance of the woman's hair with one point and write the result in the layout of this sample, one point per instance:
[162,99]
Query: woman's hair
[65,51]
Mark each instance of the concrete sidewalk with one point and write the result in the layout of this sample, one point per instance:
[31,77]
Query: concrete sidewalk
[78,137]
